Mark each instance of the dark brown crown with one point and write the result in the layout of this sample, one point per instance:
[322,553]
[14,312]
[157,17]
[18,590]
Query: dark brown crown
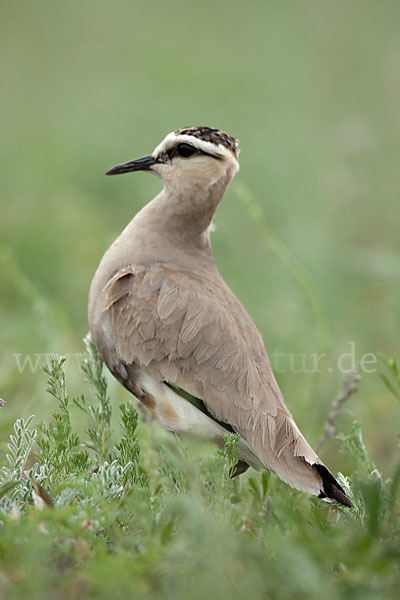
[215,136]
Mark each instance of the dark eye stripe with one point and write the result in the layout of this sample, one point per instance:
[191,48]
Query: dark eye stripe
[186,150]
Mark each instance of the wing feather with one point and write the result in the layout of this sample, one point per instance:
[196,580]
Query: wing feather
[195,334]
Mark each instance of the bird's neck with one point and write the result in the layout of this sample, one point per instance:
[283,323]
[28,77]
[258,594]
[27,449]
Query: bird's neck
[186,211]
[173,227]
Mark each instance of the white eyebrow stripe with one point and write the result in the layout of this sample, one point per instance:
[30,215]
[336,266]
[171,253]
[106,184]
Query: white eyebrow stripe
[172,139]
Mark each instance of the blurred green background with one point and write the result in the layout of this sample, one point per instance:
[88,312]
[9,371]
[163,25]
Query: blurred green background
[311,89]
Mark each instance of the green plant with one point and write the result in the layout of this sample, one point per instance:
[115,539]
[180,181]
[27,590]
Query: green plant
[157,518]
[392,376]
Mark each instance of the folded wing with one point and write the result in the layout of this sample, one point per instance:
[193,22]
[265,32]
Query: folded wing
[195,334]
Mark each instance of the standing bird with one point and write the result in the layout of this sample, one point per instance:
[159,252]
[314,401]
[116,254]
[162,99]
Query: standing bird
[172,332]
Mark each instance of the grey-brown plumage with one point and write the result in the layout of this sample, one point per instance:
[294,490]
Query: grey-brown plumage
[173,333]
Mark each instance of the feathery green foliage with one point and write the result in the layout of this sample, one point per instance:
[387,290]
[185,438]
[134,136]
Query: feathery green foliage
[392,378]
[99,413]
[151,517]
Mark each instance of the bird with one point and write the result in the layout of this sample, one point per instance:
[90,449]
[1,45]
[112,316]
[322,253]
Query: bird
[172,332]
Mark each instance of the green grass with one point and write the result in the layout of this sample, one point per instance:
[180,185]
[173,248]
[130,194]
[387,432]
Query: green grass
[113,513]
[307,237]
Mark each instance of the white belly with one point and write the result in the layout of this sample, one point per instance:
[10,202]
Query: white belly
[178,415]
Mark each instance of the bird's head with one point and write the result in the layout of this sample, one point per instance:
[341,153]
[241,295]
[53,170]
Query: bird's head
[192,157]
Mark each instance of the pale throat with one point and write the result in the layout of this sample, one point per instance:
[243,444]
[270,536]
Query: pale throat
[189,211]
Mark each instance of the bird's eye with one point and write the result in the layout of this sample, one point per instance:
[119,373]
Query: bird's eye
[186,150]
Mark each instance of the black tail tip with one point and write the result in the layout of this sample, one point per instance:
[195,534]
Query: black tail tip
[331,488]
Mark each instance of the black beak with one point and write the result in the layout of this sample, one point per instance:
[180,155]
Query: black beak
[140,164]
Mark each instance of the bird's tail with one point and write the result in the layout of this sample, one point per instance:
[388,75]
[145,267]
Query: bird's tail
[286,452]
[331,489]
[311,477]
